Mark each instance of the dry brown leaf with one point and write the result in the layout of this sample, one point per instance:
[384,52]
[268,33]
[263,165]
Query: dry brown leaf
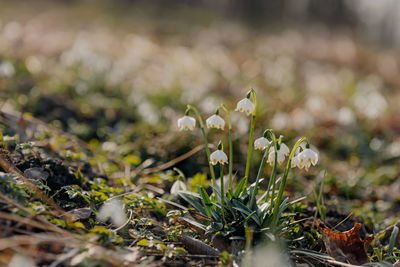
[346,246]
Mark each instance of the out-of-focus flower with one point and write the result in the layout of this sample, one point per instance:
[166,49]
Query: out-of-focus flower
[177,186]
[218,156]
[21,260]
[114,210]
[261,143]
[245,105]
[345,116]
[6,69]
[186,123]
[280,121]
[269,256]
[215,121]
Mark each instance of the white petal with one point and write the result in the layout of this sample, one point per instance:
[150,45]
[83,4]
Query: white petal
[112,209]
[218,156]
[177,186]
[261,143]
[215,121]
[186,123]
[281,157]
[295,161]
[284,148]
[245,105]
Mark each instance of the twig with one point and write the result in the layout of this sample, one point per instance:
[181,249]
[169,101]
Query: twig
[32,223]
[342,264]
[19,206]
[65,257]
[175,161]
[342,221]
[22,240]
[127,221]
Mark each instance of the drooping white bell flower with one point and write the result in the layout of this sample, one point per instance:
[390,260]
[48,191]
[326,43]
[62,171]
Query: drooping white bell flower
[218,156]
[261,143]
[177,186]
[114,210]
[186,123]
[284,149]
[245,105]
[215,121]
[280,157]
[308,156]
[295,162]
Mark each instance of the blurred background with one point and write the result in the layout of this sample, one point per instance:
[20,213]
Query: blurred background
[118,74]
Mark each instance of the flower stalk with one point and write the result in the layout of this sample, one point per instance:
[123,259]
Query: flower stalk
[260,170]
[230,146]
[190,107]
[283,184]
[252,124]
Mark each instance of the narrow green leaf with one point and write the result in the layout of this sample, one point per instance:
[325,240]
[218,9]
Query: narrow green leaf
[239,188]
[193,203]
[311,253]
[197,224]
[393,238]
[206,200]
[173,204]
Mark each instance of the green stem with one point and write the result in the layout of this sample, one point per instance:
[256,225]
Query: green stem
[221,168]
[273,180]
[255,191]
[253,118]
[246,174]
[283,184]
[230,146]
[205,142]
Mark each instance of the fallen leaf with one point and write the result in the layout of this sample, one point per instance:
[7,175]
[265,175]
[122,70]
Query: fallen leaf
[197,247]
[346,246]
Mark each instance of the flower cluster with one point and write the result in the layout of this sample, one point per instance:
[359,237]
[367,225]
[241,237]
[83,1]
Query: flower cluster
[304,159]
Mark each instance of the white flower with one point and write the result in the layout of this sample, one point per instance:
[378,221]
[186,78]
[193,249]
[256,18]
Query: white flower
[186,123]
[308,156]
[295,162]
[218,156]
[245,105]
[177,186]
[284,149]
[261,143]
[280,157]
[215,121]
[112,209]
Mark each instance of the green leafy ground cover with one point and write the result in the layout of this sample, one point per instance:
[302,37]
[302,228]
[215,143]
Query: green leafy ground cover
[89,116]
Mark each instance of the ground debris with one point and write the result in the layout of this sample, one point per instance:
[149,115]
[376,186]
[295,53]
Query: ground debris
[346,246]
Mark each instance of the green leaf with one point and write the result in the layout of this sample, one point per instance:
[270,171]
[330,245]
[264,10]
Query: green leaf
[173,204]
[197,224]
[393,238]
[239,188]
[244,209]
[192,202]
[206,200]
[311,254]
